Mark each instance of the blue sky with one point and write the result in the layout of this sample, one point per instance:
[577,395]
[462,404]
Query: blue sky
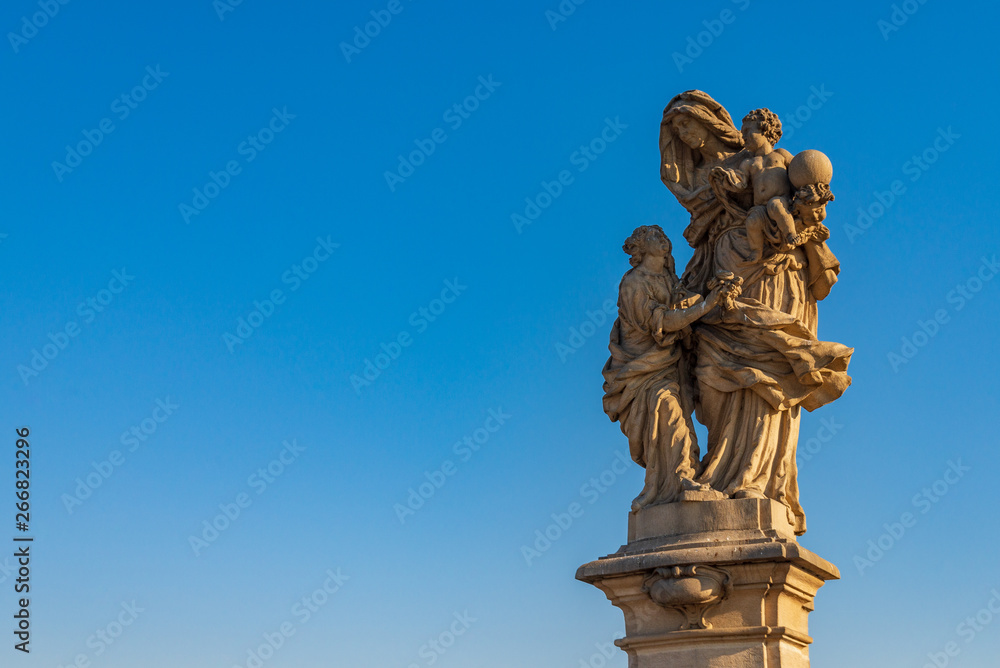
[219,251]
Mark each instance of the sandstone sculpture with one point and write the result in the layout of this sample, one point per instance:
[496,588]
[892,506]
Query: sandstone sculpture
[734,343]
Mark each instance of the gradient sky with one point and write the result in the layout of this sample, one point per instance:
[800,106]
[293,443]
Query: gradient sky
[279,138]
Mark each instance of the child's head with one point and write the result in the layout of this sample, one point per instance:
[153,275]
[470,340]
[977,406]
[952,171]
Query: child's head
[809,203]
[810,173]
[759,126]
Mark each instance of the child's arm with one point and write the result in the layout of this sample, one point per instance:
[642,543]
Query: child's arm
[777,210]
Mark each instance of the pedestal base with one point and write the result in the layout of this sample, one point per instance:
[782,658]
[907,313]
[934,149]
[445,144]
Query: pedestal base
[712,584]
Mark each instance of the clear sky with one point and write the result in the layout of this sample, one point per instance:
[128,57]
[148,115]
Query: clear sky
[218,218]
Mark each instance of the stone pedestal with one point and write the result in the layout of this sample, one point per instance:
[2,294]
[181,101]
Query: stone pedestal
[712,584]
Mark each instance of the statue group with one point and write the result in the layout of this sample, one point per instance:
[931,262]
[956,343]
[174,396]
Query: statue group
[733,341]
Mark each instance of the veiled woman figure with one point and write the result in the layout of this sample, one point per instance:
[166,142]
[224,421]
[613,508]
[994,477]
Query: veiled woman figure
[647,385]
[697,134]
[758,364]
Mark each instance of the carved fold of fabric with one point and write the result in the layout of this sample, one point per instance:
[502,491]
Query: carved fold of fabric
[630,385]
[822,267]
[772,354]
[645,398]
[751,450]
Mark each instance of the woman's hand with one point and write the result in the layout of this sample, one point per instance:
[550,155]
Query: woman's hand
[725,288]
[716,295]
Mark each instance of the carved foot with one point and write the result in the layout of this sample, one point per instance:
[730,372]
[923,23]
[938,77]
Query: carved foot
[696,491]
[701,495]
[749,494]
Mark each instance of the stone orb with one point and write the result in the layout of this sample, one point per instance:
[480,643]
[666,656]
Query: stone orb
[810,167]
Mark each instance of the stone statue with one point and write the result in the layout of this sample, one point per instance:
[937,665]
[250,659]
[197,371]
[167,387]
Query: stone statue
[756,216]
[712,575]
[648,385]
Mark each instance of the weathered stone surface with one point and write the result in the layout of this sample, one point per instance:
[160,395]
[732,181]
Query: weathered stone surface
[734,592]
[712,574]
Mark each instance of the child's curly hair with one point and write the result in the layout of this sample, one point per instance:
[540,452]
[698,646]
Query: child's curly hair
[769,123]
[815,194]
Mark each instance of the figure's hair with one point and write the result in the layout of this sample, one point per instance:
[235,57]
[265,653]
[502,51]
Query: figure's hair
[815,194]
[716,125]
[635,246]
[769,123]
